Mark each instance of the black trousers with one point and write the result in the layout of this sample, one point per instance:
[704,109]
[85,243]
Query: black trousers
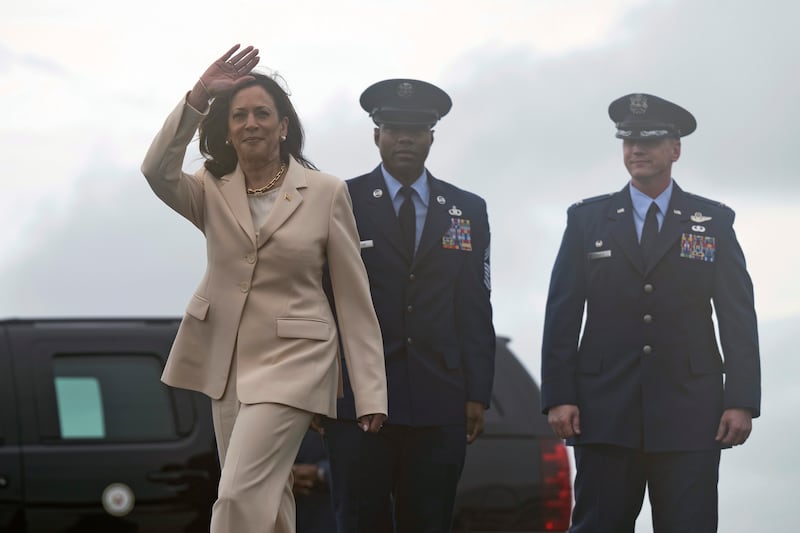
[610,485]
[402,479]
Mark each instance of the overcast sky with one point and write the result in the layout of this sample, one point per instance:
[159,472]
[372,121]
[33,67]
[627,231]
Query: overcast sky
[87,84]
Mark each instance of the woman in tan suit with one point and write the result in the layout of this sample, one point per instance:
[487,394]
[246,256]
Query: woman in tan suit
[259,335]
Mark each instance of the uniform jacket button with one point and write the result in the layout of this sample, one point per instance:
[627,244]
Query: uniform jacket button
[648,288]
[648,319]
[647,349]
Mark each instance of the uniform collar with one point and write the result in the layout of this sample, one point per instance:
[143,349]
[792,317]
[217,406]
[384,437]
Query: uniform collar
[641,202]
[393,185]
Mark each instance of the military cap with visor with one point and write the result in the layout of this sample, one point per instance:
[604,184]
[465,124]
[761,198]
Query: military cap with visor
[645,116]
[405,102]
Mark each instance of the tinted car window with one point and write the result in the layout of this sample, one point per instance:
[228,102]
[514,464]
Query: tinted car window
[116,398]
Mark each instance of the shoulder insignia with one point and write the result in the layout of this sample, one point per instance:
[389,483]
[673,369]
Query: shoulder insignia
[715,203]
[592,199]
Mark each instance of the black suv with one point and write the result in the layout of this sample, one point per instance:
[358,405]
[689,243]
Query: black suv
[91,440]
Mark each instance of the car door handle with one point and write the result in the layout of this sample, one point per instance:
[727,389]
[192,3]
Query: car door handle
[177,476]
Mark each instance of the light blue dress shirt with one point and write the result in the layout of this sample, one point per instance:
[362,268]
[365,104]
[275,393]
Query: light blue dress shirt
[641,203]
[420,197]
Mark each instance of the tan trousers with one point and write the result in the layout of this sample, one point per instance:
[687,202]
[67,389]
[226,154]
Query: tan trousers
[257,445]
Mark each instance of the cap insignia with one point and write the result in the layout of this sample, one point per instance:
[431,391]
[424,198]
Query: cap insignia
[638,104]
[405,90]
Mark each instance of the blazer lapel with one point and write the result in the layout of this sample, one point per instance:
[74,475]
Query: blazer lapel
[234,191]
[288,200]
[436,222]
[623,229]
[380,211]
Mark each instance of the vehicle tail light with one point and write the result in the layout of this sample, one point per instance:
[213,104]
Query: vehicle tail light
[557,502]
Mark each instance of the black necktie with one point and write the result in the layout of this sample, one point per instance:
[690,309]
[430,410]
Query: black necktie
[408,220]
[649,235]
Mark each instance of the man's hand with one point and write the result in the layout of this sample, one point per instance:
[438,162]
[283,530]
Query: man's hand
[316,424]
[474,420]
[306,477]
[565,420]
[734,427]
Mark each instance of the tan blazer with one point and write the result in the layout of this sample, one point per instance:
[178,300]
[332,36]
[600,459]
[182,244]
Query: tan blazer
[262,294]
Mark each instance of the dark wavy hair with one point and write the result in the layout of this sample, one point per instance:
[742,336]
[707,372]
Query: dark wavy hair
[220,157]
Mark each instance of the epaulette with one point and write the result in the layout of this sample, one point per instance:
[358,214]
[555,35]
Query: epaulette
[592,200]
[715,203]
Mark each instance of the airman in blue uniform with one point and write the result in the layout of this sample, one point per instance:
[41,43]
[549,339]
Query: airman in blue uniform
[644,393]
[425,244]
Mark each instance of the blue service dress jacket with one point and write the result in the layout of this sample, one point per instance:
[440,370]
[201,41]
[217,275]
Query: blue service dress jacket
[434,309]
[647,371]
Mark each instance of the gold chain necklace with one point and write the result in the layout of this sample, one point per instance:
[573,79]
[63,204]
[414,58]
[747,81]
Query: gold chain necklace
[271,184]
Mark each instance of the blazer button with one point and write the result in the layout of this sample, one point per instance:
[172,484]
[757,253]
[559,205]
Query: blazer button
[648,288]
[250,258]
[410,340]
[244,286]
[412,277]
[410,308]
[648,319]
[647,349]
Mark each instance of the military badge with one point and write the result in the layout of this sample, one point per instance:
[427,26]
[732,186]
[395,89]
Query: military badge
[638,104]
[458,236]
[699,217]
[405,90]
[456,212]
[698,247]
[441,200]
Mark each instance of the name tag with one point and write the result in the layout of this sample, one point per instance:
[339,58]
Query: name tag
[600,255]
[366,244]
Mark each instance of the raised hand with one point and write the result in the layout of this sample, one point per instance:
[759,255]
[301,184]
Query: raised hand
[231,68]
[225,73]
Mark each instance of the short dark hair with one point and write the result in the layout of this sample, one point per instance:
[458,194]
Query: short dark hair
[220,157]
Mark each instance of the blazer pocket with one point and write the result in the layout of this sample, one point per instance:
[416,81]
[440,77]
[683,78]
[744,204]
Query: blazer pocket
[590,364]
[452,359]
[704,363]
[198,307]
[303,328]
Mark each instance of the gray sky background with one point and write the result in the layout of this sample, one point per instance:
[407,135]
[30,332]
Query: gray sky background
[87,85]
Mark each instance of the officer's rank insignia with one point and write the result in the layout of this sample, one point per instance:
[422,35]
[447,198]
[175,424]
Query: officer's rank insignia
[700,247]
[458,237]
